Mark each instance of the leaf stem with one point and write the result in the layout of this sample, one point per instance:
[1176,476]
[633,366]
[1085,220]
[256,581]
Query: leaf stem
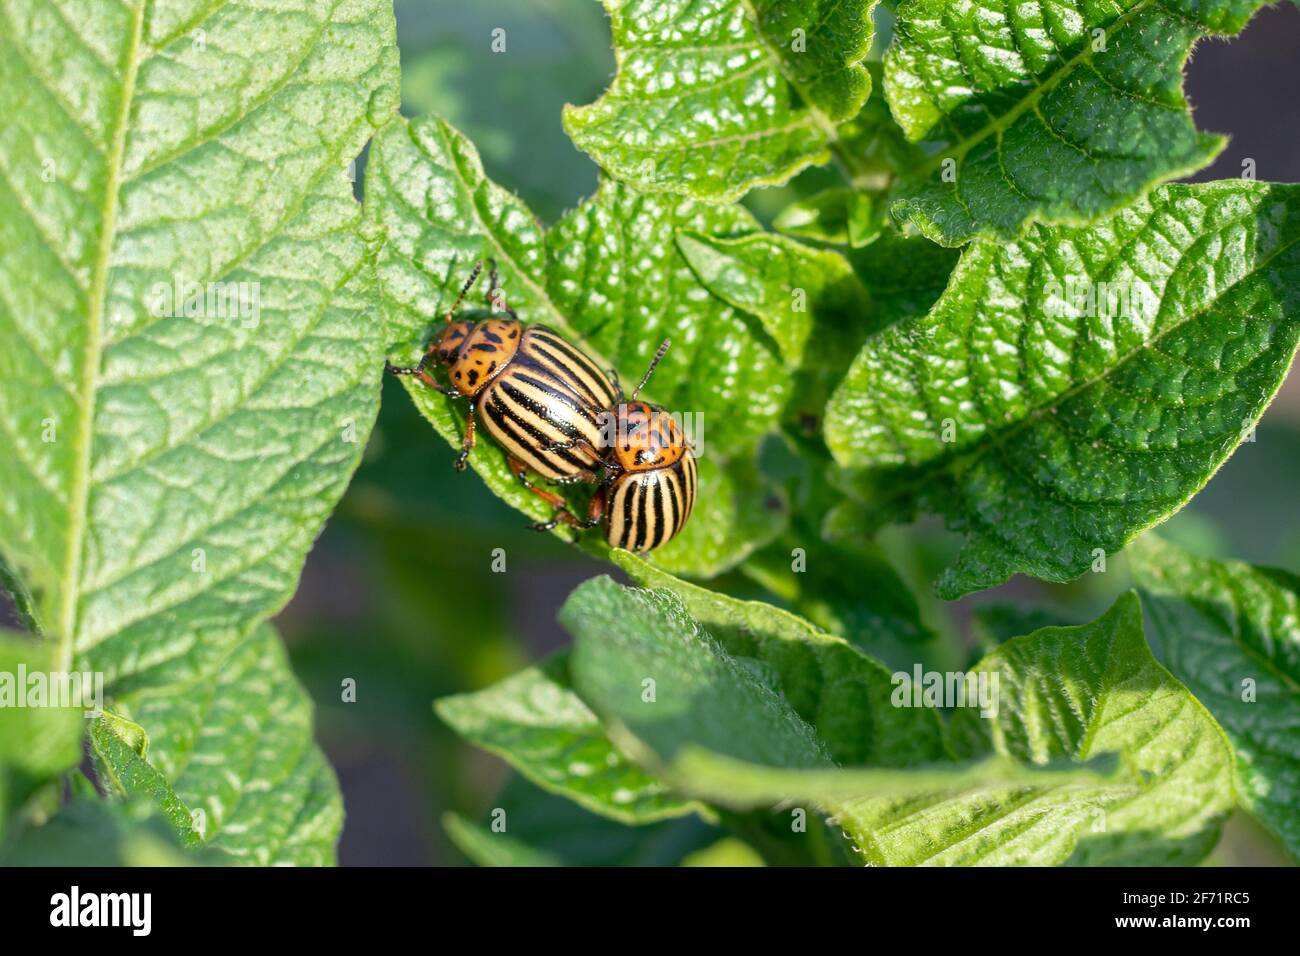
[79,500]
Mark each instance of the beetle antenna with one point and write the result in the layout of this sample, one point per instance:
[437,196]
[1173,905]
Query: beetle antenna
[464,290]
[653,362]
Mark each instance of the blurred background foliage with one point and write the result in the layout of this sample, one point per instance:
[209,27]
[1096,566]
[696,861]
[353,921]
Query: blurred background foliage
[399,593]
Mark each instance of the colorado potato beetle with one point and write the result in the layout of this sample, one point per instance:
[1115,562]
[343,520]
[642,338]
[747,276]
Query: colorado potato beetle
[649,476]
[541,398]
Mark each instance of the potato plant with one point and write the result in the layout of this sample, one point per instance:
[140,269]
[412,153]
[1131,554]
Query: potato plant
[1004,311]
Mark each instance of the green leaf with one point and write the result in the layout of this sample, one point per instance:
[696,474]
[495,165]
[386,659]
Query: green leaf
[950,814]
[614,285]
[840,216]
[820,45]
[718,726]
[853,592]
[845,696]
[493,849]
[905,275]
[714,97]
[875,150]
[1078,692]
[1231,633]
[568,835]
[537,724]
[1009,102]
[646,667]
[230,760]
[38,742]
[91,833]
[120,748]
[777,280]
[728,852]
[1048,441]
[190,369]
[36,739]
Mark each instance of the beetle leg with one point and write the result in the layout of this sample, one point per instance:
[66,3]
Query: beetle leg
[619,397]
[583,474]
[392,369]
[466,444]
[418,371]
[562,512]
[589,477]
[451,391]
[596,509]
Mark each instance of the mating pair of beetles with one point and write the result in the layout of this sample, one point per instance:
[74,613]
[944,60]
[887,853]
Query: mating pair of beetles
[558,415]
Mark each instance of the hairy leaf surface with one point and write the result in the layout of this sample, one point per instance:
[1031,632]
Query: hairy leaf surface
[1231,633]
[230,760]
[843,694]
[719,726]
[713,97]
[1049,428]
[184,297]
[536,722]
[1058,113]
[776,279]
[1078,692]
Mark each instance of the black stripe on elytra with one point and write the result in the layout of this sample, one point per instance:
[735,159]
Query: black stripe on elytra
[586,411]
[641,535]
[570,429]
[560,344]
[519,449]
[556,366]
[681,494]
[673,496]
[563,347]
[541,362]
[635,497]
[536,440]
[690,479]
[629,522]
[660,490]
[526,441]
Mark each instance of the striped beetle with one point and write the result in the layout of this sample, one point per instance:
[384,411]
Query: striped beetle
[542,399]
[650,479]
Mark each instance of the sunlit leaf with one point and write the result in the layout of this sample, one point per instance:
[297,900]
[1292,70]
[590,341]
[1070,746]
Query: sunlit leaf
[1051,429]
